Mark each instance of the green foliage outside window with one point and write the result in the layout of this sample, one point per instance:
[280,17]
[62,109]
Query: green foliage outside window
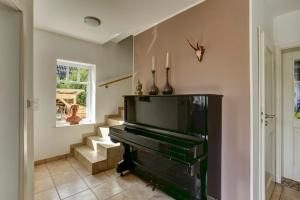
[84,73]
[73,72]
[81,98]
[297,115]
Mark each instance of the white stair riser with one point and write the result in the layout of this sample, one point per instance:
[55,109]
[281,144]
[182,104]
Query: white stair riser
[103,131]
[90,143]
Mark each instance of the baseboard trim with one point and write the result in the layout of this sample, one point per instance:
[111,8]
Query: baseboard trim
[51,159]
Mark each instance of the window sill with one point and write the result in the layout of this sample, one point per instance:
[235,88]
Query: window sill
[65,124]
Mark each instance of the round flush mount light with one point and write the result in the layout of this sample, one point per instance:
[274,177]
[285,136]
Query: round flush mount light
[92,21]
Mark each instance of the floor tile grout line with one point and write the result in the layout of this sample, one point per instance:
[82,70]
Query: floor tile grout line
[41,180]
[123,190]
[103,183]
[51,176]
[70,181]
[66,182]
[282,188]
[75,194]
[108,177]
[89,188]
[95,194]
[115,195]
[81,177]
[273,192]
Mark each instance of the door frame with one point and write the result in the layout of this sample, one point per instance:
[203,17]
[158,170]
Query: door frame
[264,42]
[279,105]
[26,162]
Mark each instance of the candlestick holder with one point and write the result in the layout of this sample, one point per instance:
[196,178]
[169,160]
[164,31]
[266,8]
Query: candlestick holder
[167,90]
[153,90]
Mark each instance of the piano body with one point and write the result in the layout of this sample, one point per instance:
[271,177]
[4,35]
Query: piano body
[174,142]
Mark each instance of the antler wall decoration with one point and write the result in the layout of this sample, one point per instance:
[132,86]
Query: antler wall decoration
[199,50]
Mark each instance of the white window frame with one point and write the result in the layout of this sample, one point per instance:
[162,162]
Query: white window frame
[91,89]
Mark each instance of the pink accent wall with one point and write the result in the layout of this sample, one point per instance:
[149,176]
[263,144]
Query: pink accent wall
[222,26]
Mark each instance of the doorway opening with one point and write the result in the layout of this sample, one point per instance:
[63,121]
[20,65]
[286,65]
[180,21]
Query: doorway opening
[290,136]
[279,120]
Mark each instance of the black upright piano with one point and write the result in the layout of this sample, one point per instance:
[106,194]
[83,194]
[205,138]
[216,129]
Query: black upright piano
[174,142]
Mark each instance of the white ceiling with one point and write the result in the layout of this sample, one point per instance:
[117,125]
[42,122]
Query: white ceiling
[280,7]
[120,18]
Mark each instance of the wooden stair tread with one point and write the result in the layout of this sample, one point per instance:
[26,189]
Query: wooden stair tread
[89,154]
[97,152]
[104,142]
[113,121]
[118,118]
[104,126]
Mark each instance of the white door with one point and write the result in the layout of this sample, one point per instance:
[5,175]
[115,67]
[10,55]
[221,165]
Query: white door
[291,112]
[9,102]
[268,121]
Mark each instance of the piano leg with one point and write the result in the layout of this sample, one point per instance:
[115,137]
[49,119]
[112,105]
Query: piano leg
[203,172]
[127,163]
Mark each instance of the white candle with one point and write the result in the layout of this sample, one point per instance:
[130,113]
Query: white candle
[153,63]
[167,64]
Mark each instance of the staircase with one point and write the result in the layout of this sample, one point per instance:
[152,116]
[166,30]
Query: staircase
[97,152]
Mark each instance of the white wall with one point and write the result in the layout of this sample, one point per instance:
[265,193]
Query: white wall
[111,60]
[287,28]
[9,102]
[108,98]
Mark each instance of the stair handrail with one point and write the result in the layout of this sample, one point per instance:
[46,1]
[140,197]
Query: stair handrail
[115,80]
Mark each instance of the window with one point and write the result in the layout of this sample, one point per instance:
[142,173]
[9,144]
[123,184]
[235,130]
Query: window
[75,84]
[297,89]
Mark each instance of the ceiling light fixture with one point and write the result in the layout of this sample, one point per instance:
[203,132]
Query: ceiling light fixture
[92,21]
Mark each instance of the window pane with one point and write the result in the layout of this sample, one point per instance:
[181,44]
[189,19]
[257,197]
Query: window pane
[61,73]
[73,74]
[72,87]
[68,94]
[84,73]
[297,89]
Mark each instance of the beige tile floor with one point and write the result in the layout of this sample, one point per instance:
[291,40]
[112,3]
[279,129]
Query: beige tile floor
[285,193]
[67,179]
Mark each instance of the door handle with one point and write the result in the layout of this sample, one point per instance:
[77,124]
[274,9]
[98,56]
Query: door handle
[267,116]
